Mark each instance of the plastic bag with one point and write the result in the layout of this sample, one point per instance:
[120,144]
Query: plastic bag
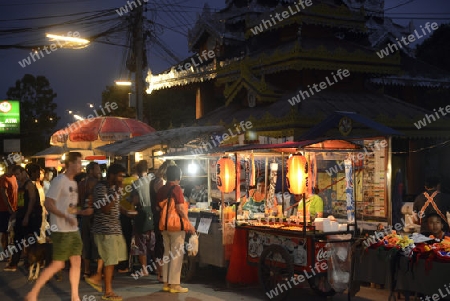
[193,242]
[339,265]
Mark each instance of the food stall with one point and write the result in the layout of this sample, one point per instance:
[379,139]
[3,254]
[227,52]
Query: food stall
[410,264]
[309,242]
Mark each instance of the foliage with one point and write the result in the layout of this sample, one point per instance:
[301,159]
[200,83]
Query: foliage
[170,108]
[436,48]
[119,95]
[38,116]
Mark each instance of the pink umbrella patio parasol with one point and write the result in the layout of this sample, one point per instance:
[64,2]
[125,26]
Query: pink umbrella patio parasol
[94,132]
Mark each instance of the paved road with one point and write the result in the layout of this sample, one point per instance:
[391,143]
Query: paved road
[208,285]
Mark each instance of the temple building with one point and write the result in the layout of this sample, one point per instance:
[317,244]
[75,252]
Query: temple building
[288,65]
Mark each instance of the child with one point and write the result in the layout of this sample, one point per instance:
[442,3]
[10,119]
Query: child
[435,226]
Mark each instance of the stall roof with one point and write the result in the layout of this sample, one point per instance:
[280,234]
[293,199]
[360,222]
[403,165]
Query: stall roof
[50,151]
[170,138]
[287,147]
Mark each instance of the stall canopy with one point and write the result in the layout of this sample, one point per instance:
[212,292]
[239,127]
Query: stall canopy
[168,138]
[52,151]
[286,147]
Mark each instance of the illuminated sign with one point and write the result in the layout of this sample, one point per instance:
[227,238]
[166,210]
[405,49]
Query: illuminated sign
[9,117]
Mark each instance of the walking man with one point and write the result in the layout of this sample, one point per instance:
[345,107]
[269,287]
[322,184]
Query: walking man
[107,230]
[61,202]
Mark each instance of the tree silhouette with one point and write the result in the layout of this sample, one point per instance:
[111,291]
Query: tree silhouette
[37,112]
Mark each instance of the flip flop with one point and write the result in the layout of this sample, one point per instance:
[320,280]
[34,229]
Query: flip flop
[94,285]
[112,297]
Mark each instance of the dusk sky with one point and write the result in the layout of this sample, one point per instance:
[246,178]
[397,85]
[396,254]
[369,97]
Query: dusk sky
[80,76]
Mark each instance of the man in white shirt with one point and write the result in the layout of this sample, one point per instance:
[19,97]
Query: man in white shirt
[61,202]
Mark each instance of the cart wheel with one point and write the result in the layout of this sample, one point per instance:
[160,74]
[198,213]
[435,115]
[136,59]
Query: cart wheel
[275,270]
[188,268]
[320,286]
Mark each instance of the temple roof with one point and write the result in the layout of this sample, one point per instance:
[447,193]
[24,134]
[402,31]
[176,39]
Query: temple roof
[282,119]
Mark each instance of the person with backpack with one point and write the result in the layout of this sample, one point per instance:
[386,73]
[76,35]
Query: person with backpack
[143,226]
[174,223]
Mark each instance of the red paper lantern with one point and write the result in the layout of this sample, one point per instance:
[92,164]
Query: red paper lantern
[297,174]
[226,175]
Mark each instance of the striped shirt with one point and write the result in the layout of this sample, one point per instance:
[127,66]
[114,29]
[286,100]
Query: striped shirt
[106,223]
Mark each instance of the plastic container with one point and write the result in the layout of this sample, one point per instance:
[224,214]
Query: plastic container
[342,227]
[334,226]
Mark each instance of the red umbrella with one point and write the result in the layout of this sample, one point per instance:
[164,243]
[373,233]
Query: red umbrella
[99,130]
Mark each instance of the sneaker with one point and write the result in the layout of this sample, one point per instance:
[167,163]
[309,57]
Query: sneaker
[10,268]
[178,289]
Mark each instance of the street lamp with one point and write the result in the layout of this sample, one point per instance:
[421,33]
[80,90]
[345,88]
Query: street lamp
[123,83]
[131,99]
[69,42]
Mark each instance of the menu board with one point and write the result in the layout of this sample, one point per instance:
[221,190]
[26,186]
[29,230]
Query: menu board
[374,177]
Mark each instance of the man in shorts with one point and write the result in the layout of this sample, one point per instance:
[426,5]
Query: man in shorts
[61,202]
[107,229]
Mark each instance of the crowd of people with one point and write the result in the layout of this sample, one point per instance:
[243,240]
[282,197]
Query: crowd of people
[99,224]
[96,224]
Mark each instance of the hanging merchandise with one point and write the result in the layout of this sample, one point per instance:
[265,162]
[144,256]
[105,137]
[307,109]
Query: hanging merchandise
[349,191]
[270,201]
[252,171]
[247,176]
[312,172]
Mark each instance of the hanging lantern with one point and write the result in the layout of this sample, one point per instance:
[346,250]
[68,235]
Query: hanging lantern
[297,174]
[226,175]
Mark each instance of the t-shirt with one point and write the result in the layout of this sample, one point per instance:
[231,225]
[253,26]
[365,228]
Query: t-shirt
[142,188]
[65,193]
[176,192]
[125,200]
[11,186]
[106,223]
[441,200]
[314,204]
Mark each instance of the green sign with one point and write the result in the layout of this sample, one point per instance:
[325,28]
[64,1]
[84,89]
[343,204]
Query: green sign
[9,117]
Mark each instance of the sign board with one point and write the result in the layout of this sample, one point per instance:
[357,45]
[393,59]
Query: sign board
[9,117]
[204,225]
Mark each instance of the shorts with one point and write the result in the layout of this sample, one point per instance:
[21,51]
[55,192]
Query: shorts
[66,245]
[143,243]
[89,247]
[112,248]
[4,219]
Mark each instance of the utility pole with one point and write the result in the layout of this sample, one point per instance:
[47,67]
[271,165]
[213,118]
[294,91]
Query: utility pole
[138,36]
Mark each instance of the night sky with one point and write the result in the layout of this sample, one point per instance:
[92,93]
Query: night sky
[80,76]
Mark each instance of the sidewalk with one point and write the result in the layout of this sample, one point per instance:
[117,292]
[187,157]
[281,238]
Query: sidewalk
[209,285]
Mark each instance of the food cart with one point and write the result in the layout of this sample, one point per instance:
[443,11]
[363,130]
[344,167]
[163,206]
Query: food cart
[215,245]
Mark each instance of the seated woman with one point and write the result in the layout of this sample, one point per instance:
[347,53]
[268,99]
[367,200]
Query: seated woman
[314,204]
[256,202]
[435,226]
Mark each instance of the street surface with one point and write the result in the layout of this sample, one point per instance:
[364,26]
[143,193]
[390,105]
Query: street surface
[209,284]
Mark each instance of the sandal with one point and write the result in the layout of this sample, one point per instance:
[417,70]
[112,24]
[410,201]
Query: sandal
[97,287]
[112,297]
[160,279]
